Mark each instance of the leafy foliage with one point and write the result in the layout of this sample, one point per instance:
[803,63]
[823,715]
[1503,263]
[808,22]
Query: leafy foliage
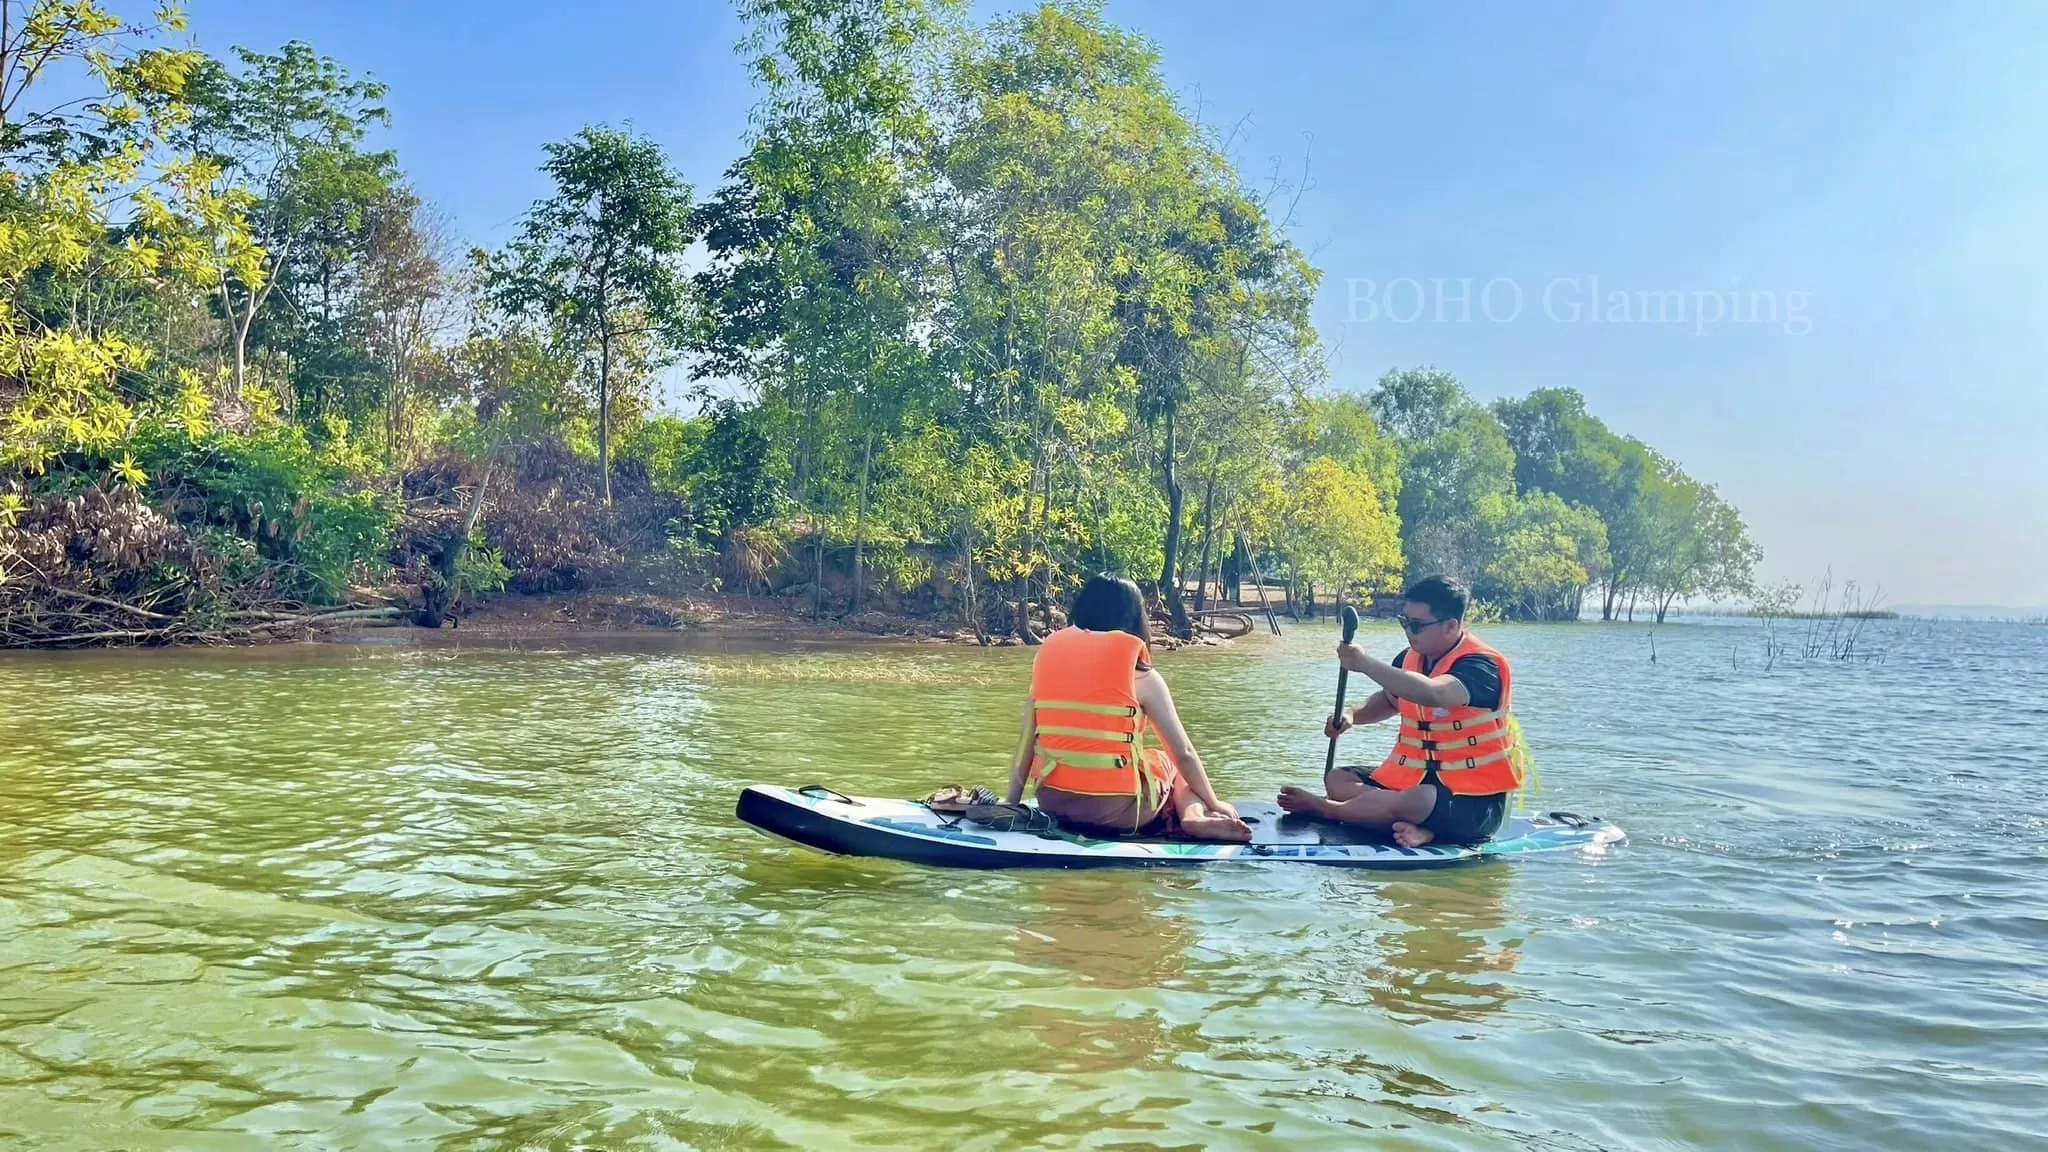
[275,490]
[988,307]
[1347,539]
[285,135]
[98,212]
[599,261]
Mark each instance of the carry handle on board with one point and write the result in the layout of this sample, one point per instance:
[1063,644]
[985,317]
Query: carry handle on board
[1350,630]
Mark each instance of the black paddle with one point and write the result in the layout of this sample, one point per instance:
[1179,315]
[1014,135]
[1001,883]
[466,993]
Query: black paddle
[1350,630]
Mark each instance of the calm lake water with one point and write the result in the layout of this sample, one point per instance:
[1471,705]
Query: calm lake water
[386,897]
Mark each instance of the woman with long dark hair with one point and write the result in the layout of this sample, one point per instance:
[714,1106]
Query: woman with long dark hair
[1095,698]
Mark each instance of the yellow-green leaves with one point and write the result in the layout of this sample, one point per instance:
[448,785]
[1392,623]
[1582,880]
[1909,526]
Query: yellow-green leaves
[194,404]
[123,218]
[128,472]
[67,404]
[1339,530]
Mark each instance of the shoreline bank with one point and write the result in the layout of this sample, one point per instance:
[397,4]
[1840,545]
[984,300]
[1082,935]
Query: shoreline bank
[714,616]
[382,616]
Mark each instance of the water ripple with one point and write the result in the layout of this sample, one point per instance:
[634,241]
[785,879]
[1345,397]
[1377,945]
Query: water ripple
[383,897]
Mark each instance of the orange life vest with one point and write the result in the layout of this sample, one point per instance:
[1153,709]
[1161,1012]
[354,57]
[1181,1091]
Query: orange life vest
[1090,730]
[1470,750]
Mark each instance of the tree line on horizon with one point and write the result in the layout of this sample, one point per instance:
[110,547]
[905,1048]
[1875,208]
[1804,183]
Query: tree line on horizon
[997,310]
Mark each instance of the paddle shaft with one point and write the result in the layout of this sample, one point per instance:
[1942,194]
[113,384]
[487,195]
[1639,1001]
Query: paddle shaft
[1350,630]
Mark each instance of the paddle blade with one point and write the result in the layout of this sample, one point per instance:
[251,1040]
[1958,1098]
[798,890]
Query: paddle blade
[1350,623]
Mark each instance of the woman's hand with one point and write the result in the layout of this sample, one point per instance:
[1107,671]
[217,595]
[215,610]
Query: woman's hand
[1220,808]
[1337,725]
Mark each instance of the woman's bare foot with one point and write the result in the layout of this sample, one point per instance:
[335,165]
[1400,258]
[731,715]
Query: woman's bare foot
[1410,835]
[1202,824]
[1300,801]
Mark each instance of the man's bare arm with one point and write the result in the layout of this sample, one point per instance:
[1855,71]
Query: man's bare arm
[1380,706]
[1433,691]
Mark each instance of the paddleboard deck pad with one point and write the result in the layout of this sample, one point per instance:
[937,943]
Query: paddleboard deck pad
[829,821]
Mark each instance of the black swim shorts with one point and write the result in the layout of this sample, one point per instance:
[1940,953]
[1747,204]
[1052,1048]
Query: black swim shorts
[1455,819]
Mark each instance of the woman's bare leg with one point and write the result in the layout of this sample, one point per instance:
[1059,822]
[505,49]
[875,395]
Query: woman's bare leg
[1198,823]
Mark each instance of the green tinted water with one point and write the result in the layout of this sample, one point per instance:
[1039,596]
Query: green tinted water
[384,897]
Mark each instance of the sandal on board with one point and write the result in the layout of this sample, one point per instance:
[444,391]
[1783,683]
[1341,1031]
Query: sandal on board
[953,800]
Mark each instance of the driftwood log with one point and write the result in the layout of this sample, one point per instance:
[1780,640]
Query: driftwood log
[48,628]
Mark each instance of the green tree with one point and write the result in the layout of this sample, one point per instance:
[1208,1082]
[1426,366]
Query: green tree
[101,212]
[1416,405]
[820,249]
[1669,535]
[600,260]
[1624,482]
[1104,272]
[1457,471]
[1053,126]
[291,128]
[408,301]
[1550,432]
[1339,533]
[1259,345]
[502,384]
[1701,546]
[1455,489]
[1220,292]
[135,90]
[733,472]
[1546,554]
[1342,427]
[1561,448]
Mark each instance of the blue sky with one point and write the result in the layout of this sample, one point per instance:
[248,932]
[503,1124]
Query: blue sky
[1873,170]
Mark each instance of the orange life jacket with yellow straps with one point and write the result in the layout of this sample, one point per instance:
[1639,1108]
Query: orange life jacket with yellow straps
[1090,730]
[1471,751]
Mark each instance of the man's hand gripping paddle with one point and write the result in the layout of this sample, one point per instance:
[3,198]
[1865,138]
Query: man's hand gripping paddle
[1350,630]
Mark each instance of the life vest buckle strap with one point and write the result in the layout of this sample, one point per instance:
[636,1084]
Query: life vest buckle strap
[1088,733]
[1087,761]
[1077,706]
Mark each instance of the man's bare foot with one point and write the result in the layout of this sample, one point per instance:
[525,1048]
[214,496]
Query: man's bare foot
[1211,826]
[1410,835]
[1300,801]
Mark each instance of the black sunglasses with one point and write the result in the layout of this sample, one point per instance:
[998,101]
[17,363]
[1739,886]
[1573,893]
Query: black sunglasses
[1412,626]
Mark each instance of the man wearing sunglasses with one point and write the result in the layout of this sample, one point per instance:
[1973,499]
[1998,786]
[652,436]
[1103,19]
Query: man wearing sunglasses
[1456,759]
